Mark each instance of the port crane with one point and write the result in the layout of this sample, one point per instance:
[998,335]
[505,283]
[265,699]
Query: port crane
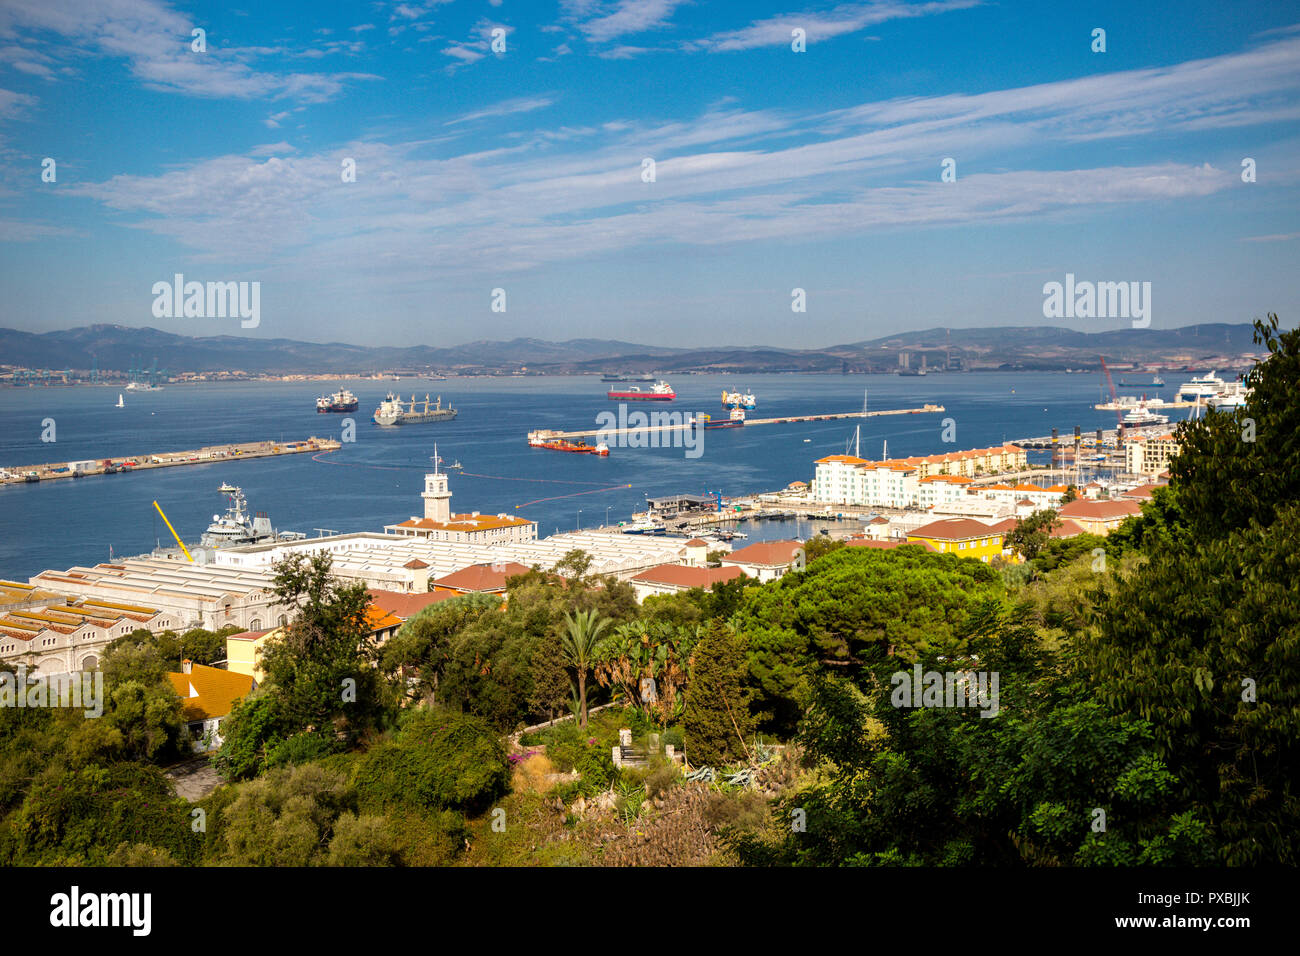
[1114,399]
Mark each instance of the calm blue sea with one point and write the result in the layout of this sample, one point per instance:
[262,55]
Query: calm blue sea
[377,480]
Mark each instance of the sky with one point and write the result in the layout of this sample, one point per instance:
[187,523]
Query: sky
[524,167]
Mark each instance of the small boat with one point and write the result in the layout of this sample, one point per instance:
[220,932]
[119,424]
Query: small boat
[120,402]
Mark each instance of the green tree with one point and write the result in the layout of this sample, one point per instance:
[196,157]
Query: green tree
[1031,534]
[717,719]
[579,641]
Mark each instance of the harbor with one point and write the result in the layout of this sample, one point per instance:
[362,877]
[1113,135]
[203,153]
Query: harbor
[122,464]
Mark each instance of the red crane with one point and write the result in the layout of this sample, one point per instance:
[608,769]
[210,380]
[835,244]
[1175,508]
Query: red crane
[1114,400]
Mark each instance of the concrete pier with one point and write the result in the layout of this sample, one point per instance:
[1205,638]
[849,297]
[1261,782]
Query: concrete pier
[123,464]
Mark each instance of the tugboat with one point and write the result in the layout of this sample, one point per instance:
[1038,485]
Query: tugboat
[341,401]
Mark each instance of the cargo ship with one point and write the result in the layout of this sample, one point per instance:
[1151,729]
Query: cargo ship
[658,392]
[536,440]
[735,420]
[341,401]
[627,378]
[392,411]
[739,399]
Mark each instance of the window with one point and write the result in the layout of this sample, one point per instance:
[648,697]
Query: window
[255,624]
[281,621]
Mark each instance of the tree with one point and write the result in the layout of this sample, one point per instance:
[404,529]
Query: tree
[1200,639]
[1071,494]
[815,547]
[717,718]
[320,664]
[578,643]
[550,679]
[639,651]
[1030,534]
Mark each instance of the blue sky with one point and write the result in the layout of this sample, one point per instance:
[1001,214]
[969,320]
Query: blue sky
[522,170]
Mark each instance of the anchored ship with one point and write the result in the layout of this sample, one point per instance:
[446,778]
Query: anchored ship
[739,399]
[538,440]
[341,401]
[1142,415]
[660,391]
[1234,395]
[1203,387]
[392,411]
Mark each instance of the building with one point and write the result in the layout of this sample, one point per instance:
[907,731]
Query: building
[671,578]
[766,560]
[1100,517]
[406,606]
[440,524]
[964,537]
[1149,456]
[898,482]
[244,652]
[481,578]
[941,490]
[193,595]
[60,635]
[877,545]
[208,695]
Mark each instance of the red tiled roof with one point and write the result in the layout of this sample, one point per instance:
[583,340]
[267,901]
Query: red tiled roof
[774,554]
[1099,510]
[697,543]
[415,564]
[1066,529]
[482,577]
[953,529]
[1142,491]
[681,576]
[406,605]
[248,635]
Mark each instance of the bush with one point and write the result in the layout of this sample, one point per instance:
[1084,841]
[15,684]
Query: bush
[437,759]
[301,748]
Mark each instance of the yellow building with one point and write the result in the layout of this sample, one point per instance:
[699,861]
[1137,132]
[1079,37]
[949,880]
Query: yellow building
[964,537]
[244,650]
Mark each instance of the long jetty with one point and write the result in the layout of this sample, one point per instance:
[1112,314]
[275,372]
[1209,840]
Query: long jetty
[122,464]
[547,434]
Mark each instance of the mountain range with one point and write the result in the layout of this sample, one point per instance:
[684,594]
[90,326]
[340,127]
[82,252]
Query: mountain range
[121,348]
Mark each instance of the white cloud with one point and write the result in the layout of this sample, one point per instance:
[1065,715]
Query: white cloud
[522,104]
[845,18]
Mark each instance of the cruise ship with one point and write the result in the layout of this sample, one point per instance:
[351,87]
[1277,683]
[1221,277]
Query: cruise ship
[392,411]
[1234,395]
[1202,388]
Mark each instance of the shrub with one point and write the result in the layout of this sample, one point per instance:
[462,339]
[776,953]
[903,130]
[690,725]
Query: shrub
[437,759]
[301,748]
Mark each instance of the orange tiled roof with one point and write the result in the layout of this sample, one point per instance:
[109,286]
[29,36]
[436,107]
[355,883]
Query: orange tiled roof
[887,545]
[209,691]
[378,619]
[465,522]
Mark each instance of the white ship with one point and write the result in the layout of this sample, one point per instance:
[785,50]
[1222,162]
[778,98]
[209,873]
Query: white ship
[142,387]
[739,399]
[392,411]
[1233,396]
[1202,388]
[1144,416]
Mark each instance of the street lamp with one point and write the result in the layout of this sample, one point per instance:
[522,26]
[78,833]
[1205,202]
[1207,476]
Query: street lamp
[579,519]
[607,516]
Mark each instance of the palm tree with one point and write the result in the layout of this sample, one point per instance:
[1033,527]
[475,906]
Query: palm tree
[582,635]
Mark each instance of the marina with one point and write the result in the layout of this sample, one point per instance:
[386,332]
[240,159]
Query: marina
[123,464]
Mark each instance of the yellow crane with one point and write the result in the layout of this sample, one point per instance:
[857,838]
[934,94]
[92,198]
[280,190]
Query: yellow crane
[174,534]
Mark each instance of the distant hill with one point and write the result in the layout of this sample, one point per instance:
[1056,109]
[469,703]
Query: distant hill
[117,347]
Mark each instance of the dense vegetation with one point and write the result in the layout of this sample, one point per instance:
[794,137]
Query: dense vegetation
[1146,709]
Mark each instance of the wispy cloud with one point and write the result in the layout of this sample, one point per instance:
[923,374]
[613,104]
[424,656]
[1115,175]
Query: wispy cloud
[845,18]
[522,104]
[155,41]
[602,22]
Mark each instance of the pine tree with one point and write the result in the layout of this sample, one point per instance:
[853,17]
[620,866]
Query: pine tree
[717,719]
